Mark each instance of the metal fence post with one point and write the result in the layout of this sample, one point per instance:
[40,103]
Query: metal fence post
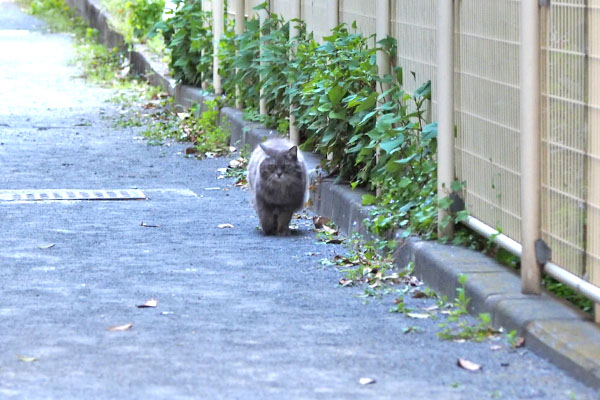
[240,25]
[382,30]
[262,17]
[295,14]
[445,98]
[529,55]
[333,14]
[218,27]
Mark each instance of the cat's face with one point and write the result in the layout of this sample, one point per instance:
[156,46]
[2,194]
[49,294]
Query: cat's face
[279,167]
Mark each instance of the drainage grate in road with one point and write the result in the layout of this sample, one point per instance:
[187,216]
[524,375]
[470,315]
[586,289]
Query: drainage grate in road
[71,194]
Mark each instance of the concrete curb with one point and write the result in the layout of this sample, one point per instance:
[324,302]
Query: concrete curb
[553,329]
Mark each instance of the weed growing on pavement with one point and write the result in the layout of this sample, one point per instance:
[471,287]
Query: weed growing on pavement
[237,168]
[106,67]
[199,125]
[54,12]
[464,330]
[209,138]
[458,327]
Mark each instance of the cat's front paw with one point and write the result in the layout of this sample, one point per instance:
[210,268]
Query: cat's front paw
[284,232]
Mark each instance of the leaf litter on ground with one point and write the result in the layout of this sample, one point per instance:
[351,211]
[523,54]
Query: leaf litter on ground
[120,328]
[152,303]
[468,365]
[27,359]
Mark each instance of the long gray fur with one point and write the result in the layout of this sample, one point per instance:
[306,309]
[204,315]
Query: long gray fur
[277,182]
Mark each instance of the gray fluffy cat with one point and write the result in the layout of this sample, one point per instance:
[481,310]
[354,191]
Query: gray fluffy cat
[277,182]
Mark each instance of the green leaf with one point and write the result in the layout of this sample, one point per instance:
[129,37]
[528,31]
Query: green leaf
[368,103]
[430,131]
[424,91]
[457,186]
[336,94]
[405,160]
[445,203]
[399,76]
[262,6]
[389,145]
[368,199]
[367,117]
[338,114]
[461,216]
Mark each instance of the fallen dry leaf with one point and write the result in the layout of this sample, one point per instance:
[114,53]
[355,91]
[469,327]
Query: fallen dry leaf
[145,225]
[120,328]
[468,365]
[238,163]
[366,381]
[329,230]
[27,359]
[46,246]
[346,282]
[320,221]
[344,261]
[224,226]
[149,304]
[417,294]
[520,342]
[418,315]
[335,241]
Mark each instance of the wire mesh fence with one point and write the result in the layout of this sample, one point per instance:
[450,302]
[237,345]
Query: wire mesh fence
[487,114]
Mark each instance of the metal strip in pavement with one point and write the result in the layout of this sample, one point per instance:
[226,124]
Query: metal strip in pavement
[70,194]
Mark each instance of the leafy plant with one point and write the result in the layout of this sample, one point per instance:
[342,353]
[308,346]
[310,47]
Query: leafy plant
[100,65]
[339,94]
[188,36]
[209,138]
[56,13]
[466,331]
[143,15]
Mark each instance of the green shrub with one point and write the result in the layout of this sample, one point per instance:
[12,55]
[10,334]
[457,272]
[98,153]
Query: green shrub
[143,15]
[338,98]
[188,37]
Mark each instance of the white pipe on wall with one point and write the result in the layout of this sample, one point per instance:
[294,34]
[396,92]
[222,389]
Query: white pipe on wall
[240,25]
[531,272]
[592,292]
[295,14]
[445,99]
[218,27]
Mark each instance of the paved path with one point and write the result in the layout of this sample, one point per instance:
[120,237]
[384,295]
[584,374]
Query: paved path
[239,315]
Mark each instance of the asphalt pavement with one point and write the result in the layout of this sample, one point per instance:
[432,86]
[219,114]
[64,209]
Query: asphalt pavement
[238,315]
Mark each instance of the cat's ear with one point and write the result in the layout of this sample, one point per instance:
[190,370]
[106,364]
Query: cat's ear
[268,151]
[293,153]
